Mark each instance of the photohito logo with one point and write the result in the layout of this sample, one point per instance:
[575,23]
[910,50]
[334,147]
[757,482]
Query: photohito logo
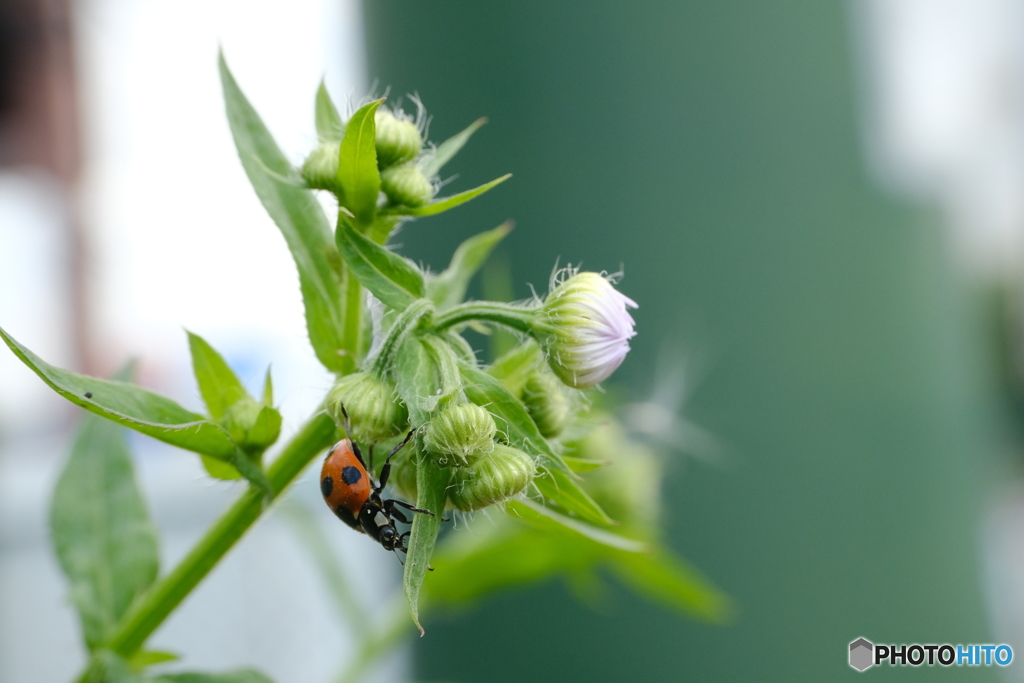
[864,654]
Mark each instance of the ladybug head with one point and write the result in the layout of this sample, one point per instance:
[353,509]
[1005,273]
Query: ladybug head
[388,536]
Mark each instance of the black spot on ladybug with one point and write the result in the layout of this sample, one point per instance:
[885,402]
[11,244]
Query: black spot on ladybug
[345,515]
[350,475]
[326,486]
[88,394]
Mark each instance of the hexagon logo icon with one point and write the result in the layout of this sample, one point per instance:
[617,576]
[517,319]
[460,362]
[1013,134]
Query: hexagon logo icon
[861,654]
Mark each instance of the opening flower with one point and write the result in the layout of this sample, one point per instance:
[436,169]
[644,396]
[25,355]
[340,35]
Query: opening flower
[585,327]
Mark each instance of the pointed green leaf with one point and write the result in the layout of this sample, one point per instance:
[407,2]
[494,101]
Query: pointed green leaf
[357,165]
[558,484]
[431,487]
[300,219]
[268,389]
[266,430]
[582,465]
[670,581]
[218,384]
[393,279]
[219,469]
[432,163]
[418,380]
[449,287]
[146,658]
[328,121]
[546,519]
[237,676]
[101,530]
[442,205]
[131,406]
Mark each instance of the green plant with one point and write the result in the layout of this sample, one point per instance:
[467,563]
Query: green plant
[519,435]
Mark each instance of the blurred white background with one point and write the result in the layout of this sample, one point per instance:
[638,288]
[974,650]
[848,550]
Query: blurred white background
[175,239]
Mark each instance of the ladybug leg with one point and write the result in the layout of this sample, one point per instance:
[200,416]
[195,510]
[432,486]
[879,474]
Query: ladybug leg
[402,503]
[397,515]
[348,422]
[385,471]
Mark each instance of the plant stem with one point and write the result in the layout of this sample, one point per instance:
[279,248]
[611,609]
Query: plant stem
[517,318]
[159,601]
[407,321]
[352,292]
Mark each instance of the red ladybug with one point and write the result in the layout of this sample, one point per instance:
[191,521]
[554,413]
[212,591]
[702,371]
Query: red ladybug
[351,495]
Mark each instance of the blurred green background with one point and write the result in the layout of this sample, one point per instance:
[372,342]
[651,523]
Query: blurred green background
[714,150]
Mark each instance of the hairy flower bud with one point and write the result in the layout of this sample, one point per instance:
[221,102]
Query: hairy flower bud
[406,185]
[585,328]
[546,400]
[494,478]
[373,407]
[464,432]
[398,140]
[320,169]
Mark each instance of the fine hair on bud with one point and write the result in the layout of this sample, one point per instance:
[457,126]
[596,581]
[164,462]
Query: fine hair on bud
[585,327]
[405,184]
[374,409]
[320,169]
[398,139]
[548,402]
[460,434]
[493,478]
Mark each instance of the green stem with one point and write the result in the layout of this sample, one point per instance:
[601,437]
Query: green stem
[517,318]
[352,292]
[407,321]
[159,601]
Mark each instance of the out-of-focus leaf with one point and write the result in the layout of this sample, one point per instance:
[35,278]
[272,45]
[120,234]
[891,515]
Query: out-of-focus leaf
[104,539]
[432,163]
[219,469]
[237,676]
[357,166]
[431,492]
[393,279]
[558,485]
[301,220]
[449,287]
[146,658]
[546,519]
[418,380]
[441,205]
[268,389]
[131,406]
[108,667]
[218,384]
[581,465]
[670,581]
[328,121]
[515,366]
[509,557]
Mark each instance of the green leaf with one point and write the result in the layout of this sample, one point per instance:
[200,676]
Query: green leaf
[146,658]
[357,164]
[268,389]
[449,287]
[432,163]
[442,205]
[300,219]
[670,581]
[558,484]
[266,430]
[219,469]
[218,384]
[393,279]
[546,519]
[418,380]
[514,367]
[328,121]
[132,406]
[582,465]
[237,676]
[101,530]
[431,487]
[108,667]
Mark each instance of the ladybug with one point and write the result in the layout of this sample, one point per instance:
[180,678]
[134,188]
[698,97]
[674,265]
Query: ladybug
[349,491]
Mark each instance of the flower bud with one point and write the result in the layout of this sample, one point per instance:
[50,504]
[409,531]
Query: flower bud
[494,478]
[406,185]
[464,432]
[585,328]
[546,400]
[320,170]
[373,408]
[398,140]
